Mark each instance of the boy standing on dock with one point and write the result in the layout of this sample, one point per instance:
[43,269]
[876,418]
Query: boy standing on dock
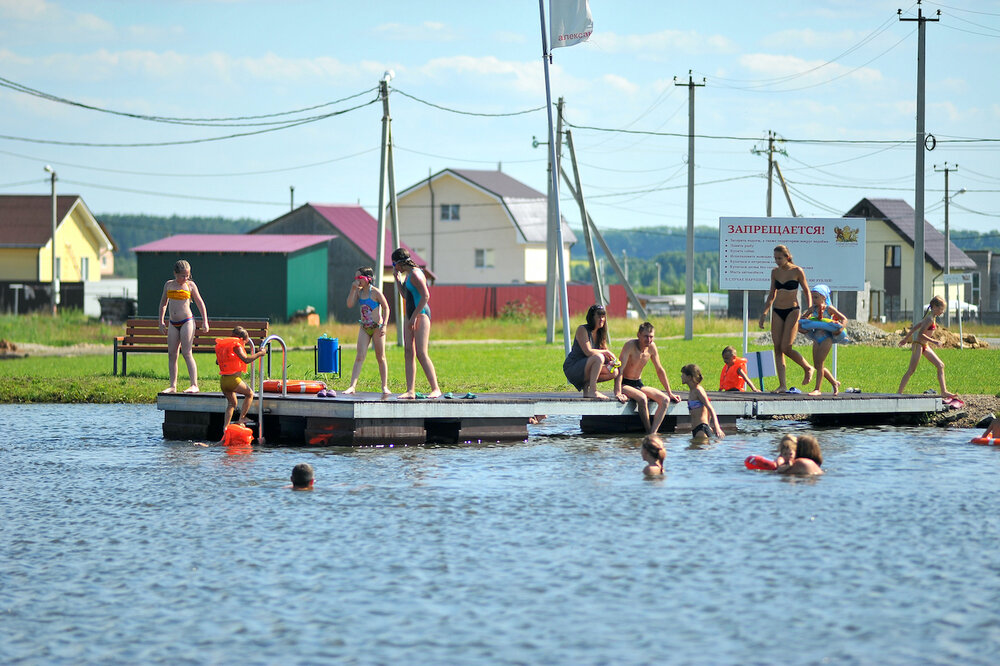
[628,384]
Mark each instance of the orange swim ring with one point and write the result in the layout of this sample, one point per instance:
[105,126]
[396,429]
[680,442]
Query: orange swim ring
[294,386]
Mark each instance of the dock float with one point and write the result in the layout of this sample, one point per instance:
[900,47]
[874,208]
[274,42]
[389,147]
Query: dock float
[366,419]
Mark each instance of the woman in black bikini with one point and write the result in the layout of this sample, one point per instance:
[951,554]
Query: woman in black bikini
[783,300]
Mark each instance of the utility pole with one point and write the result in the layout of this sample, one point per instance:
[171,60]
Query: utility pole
[291,195]
[918,196]
[947,240]
[772,166]
[55,274]
[689,296]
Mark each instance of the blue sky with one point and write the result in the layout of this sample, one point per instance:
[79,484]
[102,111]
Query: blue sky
[818,74]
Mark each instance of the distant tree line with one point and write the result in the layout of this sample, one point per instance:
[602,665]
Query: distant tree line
[130,231]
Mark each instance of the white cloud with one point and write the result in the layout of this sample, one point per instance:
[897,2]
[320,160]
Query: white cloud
[811,39]
[25,10]
[620,84]
[520,76]
[666,41]
[422,32]
[771,66]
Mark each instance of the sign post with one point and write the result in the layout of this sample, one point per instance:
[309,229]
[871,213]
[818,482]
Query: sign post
[831,251]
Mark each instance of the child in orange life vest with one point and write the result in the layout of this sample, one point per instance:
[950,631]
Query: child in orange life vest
[734,375]
[233,360]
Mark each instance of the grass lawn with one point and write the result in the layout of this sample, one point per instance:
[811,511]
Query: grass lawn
[478,367]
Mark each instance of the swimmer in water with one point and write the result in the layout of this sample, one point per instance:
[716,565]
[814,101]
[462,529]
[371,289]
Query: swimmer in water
[786,451]
[653,454]
[704,420]
[302,477]
[808,458]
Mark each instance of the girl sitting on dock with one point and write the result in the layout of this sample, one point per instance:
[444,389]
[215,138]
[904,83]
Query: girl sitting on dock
[416,325]
[374,315]
[734,375]
[704,420]
[823,340]
[589,361]
[176,301]
[918,337]
[783,300]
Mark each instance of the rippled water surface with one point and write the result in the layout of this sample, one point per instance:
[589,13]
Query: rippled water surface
[118,546]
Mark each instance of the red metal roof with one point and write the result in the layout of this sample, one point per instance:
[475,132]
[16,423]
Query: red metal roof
[26,219]
[358,226]
[229,243]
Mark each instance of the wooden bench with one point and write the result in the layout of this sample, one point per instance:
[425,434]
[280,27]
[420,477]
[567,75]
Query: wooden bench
[142,335]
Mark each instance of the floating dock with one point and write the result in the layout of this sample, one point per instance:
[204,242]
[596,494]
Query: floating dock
[367,419]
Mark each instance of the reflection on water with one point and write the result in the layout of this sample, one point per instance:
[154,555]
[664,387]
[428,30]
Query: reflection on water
[116,545]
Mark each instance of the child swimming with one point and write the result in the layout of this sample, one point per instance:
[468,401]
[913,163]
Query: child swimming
[178,294]
[808,458]
[786,450]
[704,420]
[654,454]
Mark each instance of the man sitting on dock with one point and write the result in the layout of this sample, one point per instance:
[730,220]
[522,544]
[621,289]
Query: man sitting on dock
[628,384]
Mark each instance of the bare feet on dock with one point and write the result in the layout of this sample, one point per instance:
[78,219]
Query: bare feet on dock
[434,394]
[349,390]
[810,371]
[780,389]
[836,388]
[815,392]
[169,389]
[596,395]
[407,396]
[191,389]
[386,392]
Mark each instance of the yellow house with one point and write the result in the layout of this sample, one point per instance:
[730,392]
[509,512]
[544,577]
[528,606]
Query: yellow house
[889,257]
[478,227]
[26,239]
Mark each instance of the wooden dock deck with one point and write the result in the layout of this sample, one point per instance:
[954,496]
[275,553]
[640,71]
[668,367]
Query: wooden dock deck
[366,419]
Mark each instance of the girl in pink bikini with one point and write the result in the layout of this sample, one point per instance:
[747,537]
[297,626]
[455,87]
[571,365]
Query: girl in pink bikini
[919,339]
[176,301]
[374,316]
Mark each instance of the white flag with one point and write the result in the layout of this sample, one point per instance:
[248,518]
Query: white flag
[569,22]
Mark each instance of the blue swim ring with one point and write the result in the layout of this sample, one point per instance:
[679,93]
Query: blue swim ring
[821,329]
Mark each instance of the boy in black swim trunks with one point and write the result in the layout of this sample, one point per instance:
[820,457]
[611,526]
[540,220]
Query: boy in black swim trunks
[628,384]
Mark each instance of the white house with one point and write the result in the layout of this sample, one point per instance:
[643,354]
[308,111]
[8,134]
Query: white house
[478,227]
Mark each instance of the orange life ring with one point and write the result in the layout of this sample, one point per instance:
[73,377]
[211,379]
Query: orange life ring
[760,462]
[294,386]
[985,440]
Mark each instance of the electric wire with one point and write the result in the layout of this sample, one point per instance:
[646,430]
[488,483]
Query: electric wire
[467,113]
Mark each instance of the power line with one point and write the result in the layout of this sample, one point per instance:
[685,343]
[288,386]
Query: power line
[467,113]
[189,175]
[172,195]
[87,144]
[20,87]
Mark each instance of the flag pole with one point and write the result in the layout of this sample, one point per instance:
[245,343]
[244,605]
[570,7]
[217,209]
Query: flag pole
[546,57]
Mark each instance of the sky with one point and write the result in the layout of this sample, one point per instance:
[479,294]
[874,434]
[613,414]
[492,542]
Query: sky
[835,80]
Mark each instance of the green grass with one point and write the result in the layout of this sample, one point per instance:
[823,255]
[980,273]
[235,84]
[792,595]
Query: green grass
[476,367]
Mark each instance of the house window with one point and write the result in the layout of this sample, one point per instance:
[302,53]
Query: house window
[976,293]
[484,258]
[449,211]
[892,255]
[84,269]
[58,268]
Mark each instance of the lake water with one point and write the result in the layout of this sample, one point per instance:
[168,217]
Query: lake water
[117,546]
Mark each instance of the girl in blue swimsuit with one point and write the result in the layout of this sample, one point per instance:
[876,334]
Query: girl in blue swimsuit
[417,325]
[374,315]
[783,300]
[704,420]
